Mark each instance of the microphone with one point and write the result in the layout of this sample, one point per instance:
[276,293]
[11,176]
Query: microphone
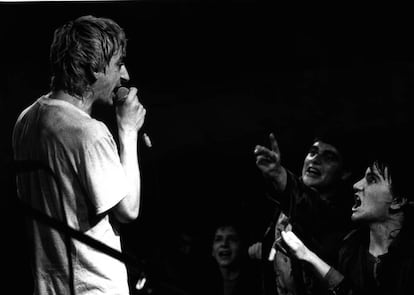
[120,97]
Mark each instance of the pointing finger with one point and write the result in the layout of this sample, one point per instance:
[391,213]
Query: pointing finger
[273,143]
[263,151]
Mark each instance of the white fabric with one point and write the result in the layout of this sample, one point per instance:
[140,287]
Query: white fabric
[83,155]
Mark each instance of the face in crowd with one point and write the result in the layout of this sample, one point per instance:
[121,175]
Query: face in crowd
[323,166]
[373,196]
[227,246]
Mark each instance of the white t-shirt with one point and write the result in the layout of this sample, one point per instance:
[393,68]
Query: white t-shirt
[83,156]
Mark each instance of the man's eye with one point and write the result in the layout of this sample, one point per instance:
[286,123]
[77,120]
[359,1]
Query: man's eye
[234,240]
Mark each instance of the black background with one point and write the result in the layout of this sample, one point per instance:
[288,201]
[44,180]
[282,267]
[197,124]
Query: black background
[216,78]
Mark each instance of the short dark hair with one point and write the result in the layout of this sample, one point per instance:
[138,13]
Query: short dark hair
[340,138]
[234,222]
[394,151]
[80,48]
[352,143]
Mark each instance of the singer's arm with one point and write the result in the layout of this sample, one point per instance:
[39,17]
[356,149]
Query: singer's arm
[130,118]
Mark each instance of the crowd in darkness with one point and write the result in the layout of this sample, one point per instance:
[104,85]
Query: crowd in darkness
[280,146]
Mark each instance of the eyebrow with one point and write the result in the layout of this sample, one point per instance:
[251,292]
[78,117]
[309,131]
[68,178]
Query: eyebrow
[329,152]
[324,152]
[373,174]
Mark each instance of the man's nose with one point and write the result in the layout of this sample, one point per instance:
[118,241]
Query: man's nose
[124,73]
[358,186]
[316,158]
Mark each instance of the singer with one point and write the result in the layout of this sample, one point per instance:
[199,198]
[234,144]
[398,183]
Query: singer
[98,184]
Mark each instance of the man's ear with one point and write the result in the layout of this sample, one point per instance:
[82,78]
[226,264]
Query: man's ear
[97,75]
[398,203]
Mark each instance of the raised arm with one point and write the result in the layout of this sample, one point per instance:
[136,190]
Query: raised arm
[130,118]
[269,162]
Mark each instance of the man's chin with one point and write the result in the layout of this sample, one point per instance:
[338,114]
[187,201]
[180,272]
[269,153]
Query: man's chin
[105,101]
[311,181]
[224,263]
[357,219]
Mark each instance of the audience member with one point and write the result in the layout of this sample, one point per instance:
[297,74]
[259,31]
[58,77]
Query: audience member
[176,261]
[315,204]
[233,273]
[377,257]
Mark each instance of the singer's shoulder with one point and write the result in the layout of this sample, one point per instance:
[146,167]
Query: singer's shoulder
[94,129]
[94,134]
[81,128]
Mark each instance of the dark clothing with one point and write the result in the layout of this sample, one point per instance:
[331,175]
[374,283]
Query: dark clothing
[248,282]
[391,273]
[320,224]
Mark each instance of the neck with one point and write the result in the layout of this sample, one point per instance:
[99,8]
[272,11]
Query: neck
[84,103]
[328,195]
[229,273]
[382,235]
[329,192]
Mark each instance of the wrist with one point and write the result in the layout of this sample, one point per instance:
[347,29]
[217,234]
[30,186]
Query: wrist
[278,178]
[126,134]
[309,256]
[127,141]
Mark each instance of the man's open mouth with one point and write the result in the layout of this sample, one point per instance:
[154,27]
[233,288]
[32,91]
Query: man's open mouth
[357,203]
[224,253]
[313,171]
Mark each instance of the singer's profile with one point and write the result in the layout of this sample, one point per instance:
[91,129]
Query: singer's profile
[97,184]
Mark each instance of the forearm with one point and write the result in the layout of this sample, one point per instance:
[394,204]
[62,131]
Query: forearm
[130,204]
[278,180]
[320,266]
[332,278]
[283,189]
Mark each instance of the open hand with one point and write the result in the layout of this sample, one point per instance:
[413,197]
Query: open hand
[295,245]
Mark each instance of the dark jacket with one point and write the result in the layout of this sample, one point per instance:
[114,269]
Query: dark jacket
[394,270]
[321,225]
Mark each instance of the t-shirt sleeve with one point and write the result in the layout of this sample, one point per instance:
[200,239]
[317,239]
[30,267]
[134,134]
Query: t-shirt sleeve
[104,175]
